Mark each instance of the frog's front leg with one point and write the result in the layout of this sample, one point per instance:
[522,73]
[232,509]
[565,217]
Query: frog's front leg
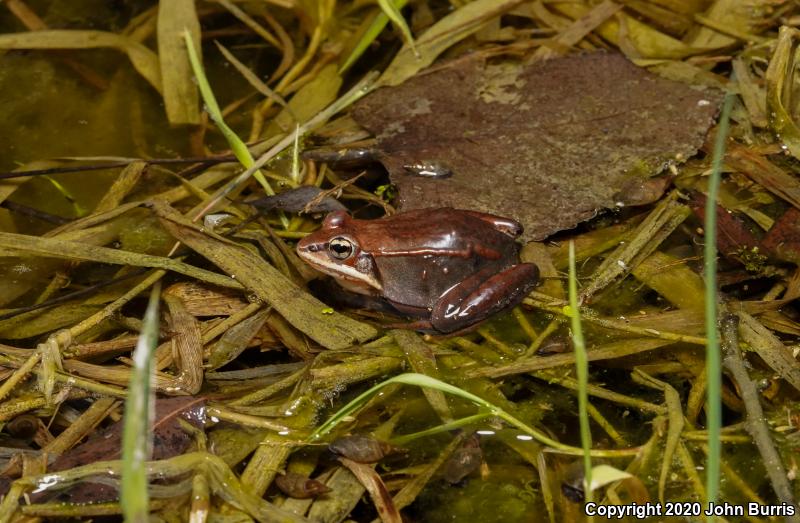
[482,295]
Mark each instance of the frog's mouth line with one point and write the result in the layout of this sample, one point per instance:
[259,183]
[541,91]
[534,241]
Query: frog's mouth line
[341,271]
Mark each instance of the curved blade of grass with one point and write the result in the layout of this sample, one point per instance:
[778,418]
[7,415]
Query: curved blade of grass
[444,427]
[77,207]
[137,436]
[713,360]
[582,369]
[238,147]
[420,380]
[392,11]
[370,34]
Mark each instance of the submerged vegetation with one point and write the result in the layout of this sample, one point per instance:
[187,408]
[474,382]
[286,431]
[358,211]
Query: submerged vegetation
[169,150]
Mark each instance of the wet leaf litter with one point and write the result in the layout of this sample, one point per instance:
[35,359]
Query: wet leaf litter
[549,144]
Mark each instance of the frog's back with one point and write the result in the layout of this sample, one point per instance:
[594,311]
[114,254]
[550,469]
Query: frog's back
[441,231]
[420,255]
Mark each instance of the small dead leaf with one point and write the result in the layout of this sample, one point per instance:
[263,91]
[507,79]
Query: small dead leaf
[464,461]
[23,426]
[767,174]
[300,487]
[362,449]
[673,279]
[295,200]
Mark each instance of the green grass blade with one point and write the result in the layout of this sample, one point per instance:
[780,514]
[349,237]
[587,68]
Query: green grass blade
[444,427]
[79,210]
[582,369]
[420,380]
[713,360]
[139,412]
[392,10]
[237,145]
[375,27]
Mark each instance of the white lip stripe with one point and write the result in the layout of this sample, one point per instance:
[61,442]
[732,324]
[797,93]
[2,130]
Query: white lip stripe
[339,270]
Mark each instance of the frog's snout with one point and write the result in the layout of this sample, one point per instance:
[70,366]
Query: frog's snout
[306,245]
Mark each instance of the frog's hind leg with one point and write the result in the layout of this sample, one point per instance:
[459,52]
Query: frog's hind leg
[481,295]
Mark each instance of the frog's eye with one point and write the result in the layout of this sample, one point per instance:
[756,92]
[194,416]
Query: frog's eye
[341,248]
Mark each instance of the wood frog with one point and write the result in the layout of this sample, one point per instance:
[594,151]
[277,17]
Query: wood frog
[448,268]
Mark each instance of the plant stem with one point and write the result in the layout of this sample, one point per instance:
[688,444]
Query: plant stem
[713,363]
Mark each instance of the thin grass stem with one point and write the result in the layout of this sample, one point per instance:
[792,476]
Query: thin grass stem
[582,369]
[713,359]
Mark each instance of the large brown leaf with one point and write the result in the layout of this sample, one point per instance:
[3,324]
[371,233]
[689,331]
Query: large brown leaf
[549,143]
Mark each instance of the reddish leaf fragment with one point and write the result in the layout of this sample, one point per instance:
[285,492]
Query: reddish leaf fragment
[549,143]
[734,236]
[783,239]
[377,490]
